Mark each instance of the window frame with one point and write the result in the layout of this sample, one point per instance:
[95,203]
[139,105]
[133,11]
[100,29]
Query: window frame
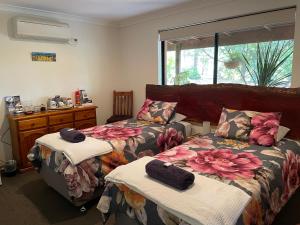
[216,55]
[216,44]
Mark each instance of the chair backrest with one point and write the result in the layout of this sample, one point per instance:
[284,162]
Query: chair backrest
[123,103]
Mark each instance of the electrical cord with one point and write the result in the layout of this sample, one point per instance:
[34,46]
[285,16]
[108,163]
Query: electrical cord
[4,142]
[2,137]
[2,163]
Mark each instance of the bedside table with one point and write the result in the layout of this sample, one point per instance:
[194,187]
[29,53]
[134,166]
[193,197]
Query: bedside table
[25,129]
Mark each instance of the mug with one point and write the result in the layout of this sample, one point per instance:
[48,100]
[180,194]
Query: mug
[69,102]
[52,104]
[61,104]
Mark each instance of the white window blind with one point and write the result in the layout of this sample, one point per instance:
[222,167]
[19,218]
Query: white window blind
[256,21]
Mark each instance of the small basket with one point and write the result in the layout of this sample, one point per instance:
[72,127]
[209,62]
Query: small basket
[10,168]
[232,64]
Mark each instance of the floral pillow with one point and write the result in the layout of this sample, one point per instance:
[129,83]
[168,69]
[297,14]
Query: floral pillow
[265,128]
[157,111]
[234,124]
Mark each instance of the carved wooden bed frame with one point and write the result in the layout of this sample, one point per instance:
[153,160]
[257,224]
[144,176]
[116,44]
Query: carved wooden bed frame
[205,102]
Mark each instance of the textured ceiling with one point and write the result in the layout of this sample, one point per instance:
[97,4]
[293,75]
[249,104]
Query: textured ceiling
[103,9]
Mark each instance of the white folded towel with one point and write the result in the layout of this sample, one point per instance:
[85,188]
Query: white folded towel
[75,152]
[206,202]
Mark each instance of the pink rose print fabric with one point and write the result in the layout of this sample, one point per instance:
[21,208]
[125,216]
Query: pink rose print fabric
[224,163]
[178,153]
[169,139]
[113,132]
[290,174]
[201,142]
[256,127]
[269,175]
[143,113]
[265,128]
[157,111]
[234,124]
[130,139]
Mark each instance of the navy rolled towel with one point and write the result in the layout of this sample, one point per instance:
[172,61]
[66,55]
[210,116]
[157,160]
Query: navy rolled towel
[71,135]
[170,175]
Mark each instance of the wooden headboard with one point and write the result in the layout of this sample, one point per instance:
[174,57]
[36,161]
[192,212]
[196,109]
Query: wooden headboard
[205,102]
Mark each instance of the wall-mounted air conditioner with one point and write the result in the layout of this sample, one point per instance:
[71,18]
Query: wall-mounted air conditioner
[41,29]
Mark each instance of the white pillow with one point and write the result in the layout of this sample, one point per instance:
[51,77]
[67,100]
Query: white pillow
[282,131]
[177,118]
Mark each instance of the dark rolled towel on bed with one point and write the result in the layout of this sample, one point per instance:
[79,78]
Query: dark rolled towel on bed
[171,175]
[71,135]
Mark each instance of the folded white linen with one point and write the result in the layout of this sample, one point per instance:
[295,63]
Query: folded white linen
[75,152]
[207,202]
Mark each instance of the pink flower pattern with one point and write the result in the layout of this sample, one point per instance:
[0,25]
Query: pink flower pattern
[290,174]
[169,139]
[168,109]
[224,163]
[265,128]
[109,132]
[180,152]
[81,179]
[233,124]
[144,109]
[269,175]
[131,139]
[156,111]
[201,142]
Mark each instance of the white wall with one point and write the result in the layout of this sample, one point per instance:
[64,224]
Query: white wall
[108,58]
[139,56]
[91,65]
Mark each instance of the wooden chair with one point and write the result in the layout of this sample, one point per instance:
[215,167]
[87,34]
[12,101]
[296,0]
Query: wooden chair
[122,108]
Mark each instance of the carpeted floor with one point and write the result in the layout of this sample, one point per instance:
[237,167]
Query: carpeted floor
[26,200]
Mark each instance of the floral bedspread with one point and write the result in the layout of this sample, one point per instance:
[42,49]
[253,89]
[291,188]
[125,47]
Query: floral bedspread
[130,139]
[270,175]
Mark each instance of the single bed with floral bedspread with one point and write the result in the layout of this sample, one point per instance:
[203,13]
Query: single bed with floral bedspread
[269,175]
[130,139]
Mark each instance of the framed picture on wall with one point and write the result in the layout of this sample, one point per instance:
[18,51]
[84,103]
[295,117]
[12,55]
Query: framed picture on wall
[13,104]
[43,57]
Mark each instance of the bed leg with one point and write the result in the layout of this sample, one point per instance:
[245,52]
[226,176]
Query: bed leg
[108,219]
[103,220]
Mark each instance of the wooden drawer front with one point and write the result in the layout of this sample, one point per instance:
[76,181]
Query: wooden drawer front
[56,128]
[59,119]
[27,140]
[85,124]
[83,115]
[32,123]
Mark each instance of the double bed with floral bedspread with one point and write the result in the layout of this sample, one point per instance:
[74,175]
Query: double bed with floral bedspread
[270,175]
[129,139]
[268,172]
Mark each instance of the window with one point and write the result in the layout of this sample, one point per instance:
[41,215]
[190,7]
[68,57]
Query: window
[262,56]
[257,55]
[190,61]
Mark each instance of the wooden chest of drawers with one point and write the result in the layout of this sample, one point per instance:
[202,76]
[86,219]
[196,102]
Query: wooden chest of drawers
[25,129]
